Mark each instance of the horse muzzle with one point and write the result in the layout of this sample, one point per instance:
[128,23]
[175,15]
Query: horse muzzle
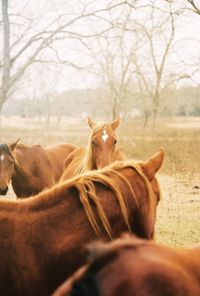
[3,190]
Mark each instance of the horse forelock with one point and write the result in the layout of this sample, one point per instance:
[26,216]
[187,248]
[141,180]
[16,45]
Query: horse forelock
[108,176]
[4,148]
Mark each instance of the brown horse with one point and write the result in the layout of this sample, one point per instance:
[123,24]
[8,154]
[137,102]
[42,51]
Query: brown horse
[132,266]
[101,150]
[42,238]
[31,168]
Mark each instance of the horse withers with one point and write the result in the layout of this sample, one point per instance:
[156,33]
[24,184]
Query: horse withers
[132,266]
[42,238]
[31,168]
[101,150]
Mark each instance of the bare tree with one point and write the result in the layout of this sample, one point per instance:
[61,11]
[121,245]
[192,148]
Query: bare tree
[112,62]
[195,7]
[6,64]
[137,54]
[150,64]
[31,47]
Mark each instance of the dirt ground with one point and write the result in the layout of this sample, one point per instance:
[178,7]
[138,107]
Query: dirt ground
[178,213]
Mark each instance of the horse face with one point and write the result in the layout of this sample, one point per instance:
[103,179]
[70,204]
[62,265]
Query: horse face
[6,171]
[103,147]
[7,162]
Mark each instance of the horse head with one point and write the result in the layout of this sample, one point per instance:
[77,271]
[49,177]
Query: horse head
[102,144]
[7,162]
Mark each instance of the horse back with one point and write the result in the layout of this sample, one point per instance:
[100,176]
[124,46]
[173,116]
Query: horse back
[38,167]
[57,155]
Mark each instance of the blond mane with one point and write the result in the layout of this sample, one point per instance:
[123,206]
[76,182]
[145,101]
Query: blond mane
[108,176]
[87,162]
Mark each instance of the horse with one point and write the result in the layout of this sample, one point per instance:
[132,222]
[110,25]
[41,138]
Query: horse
[133,266]
[42,237]
[31,168]
[100,151]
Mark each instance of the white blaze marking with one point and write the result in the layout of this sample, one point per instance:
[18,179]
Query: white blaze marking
[104,136]
[2,157]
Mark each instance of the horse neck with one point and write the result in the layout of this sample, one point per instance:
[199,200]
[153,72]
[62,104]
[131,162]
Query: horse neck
[19,162]
[20,172]
[21,180]
[24,181]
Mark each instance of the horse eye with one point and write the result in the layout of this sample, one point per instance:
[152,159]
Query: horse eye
[115,142]
[93,142]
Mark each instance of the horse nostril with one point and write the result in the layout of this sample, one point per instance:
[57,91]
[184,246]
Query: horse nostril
[3,190]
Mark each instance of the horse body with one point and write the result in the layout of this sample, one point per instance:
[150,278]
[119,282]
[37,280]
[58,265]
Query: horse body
[100,152]
[42,237]
[32,168]
[131,266]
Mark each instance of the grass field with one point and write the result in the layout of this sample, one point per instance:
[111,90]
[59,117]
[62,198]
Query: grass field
[179,211]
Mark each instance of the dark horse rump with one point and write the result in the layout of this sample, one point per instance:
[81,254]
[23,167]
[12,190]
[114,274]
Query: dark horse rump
[131,266]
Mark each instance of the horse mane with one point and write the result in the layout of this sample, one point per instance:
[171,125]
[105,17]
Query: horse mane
[109,177]
[86,164]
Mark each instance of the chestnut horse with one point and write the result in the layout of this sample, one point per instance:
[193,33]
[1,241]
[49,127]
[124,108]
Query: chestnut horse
[31,168]
[42,237]
[132,266]
[101,150]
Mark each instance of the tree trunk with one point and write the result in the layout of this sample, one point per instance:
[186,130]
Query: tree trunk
[6,54]
[48,107]
[155,110]
[145,118]
[114,108]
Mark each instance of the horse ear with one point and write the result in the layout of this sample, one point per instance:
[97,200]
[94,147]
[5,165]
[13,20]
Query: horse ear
[153,165]
[115,123]
[91,122]
[13,145]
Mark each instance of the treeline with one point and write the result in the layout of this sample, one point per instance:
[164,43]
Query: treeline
[98,103]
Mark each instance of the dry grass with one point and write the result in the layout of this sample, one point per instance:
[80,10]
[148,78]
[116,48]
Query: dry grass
[179,211]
